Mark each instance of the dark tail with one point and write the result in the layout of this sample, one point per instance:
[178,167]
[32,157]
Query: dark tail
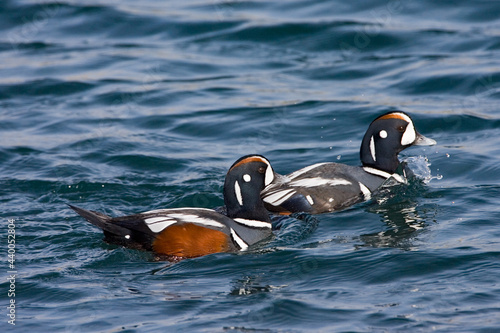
[101,220]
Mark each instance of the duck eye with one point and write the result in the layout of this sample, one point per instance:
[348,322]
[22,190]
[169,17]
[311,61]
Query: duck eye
[262,169]
[401,129]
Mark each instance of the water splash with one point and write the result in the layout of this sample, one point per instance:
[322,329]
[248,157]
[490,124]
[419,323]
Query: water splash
[419,165]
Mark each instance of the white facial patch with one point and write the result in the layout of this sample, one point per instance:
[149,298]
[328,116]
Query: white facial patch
[268,179]
[247,178]
[409,135]
[237,192]
[383,134]
[372,148]
[269,175]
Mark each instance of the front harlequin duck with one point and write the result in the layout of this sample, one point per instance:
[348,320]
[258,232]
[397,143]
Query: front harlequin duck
[326,187]
[192,232]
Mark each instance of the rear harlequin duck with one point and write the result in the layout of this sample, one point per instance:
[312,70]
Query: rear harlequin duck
[326,187]
[192,232]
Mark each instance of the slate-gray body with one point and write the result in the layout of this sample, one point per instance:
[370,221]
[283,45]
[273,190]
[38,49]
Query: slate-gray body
[326,187]
[341,186]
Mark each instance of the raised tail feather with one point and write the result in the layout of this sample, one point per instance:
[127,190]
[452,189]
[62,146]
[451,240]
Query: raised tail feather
[101,220]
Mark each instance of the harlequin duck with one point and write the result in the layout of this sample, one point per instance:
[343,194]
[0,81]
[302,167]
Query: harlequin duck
[180,233]
[326,187]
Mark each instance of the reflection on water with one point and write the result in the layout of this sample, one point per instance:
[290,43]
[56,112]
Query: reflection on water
[404,223]
[419,166]
[294,228]
[399,207]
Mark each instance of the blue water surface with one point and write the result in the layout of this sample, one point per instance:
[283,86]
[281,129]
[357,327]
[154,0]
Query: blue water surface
[128,106]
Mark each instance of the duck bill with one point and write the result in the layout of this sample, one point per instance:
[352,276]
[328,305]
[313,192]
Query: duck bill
[424,141]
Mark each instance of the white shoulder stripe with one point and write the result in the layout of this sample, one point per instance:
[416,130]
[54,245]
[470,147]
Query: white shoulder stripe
[277,198]
[157,219]
[196,219]
[243,246]
[167,211]
[366,192]
[318,181]
[253,223]
[299,172]
[399,178]
[159,223]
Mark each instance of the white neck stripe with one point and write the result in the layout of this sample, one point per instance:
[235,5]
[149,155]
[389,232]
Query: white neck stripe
[243,246]
[253,223]
[377,172]
[384,174]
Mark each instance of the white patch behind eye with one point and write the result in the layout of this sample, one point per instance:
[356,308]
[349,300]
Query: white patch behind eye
[409,135]
[268,179]
[237,191]
[383,134]
[372,148]
[247,177]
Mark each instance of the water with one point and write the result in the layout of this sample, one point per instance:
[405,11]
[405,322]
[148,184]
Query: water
[128,106]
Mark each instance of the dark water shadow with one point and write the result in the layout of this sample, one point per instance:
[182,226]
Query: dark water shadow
[401,209]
